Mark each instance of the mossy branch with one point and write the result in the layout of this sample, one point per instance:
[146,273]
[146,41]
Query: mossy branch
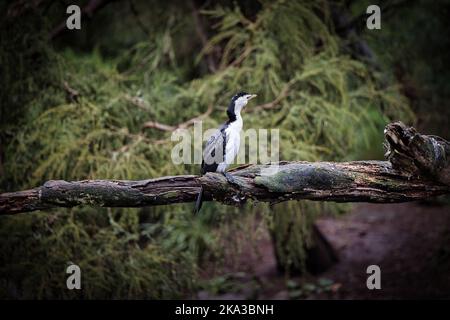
[418,167]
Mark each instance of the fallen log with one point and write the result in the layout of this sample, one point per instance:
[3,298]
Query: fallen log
[417,168]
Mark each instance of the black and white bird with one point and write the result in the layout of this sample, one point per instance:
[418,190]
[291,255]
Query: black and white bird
[223,146]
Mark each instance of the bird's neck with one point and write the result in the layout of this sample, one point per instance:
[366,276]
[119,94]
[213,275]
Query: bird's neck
[236,122]
[238,115]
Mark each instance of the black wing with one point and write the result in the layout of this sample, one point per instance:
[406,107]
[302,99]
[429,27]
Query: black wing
[217,141]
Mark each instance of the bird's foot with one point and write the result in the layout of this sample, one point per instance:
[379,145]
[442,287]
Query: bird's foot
[230,179]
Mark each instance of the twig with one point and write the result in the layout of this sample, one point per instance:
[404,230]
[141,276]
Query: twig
[72,93]
[283,94]
[202,35]
[138,102]
[241,57]
[183,125]
[135,12]
[159,126]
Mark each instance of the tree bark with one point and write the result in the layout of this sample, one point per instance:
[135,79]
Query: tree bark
[418,167]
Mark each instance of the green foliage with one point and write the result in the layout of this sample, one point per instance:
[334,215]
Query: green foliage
[227,283]
[114,261]
[330,107]
[306,290]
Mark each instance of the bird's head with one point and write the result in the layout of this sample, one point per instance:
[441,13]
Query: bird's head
[238,102]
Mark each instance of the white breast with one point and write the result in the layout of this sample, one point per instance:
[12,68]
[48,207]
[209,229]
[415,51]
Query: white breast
[233,134]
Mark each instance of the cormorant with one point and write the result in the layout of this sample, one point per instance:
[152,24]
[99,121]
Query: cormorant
[223,146]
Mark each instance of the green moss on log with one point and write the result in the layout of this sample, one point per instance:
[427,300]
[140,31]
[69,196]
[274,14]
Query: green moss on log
[298,177]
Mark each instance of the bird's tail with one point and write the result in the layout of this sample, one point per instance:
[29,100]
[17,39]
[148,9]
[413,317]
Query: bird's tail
[199,202]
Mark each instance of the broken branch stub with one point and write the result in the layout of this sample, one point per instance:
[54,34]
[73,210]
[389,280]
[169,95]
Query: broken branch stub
[417,154]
